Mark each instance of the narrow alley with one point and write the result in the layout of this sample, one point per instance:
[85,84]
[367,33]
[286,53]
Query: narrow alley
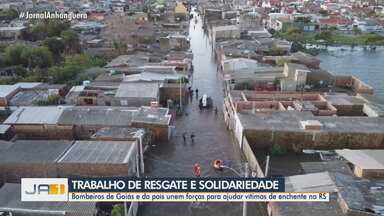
[212,140]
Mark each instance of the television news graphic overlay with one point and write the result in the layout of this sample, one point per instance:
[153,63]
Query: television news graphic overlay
[44,189]
[179,189]
[58,15]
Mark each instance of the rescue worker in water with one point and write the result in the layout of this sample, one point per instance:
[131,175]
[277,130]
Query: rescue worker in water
[196,170]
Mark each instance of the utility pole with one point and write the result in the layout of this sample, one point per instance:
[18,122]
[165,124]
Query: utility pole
[246,175]
[181,79]
[266,166]
[245,202]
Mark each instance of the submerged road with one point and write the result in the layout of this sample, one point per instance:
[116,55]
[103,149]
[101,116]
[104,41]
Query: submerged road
[212,141]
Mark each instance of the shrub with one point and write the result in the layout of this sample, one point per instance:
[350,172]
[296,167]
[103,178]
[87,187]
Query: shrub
[278,150]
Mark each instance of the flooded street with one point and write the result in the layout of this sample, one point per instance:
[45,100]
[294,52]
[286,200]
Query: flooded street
[367,65]
[212,140]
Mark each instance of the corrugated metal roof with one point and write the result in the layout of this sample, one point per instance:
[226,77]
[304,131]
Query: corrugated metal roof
[36,115]
[152,115]
[111,152]
[304,183]
[28,85]
[108,116]
[113,116]
[6,90]
[365,158]
[152,76]
[4,128]
[10,200]
[77,88]
[29,97]
[34,151]
[138,90]
[118,133]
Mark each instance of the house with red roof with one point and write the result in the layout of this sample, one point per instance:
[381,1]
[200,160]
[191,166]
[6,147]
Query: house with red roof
[338,22]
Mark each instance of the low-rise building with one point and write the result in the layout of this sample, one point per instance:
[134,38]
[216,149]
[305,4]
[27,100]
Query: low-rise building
[7,92]
[137,94]
[31,159]
[39,122]
[10,202]
[225,32]
[366,163]
[181,12]
[12,33]
[100,158]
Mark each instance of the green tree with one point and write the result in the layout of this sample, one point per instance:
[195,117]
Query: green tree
[296,46]
[13,54]
[37,57]
[118,210]
[295,34]
[356,30]
[120,46]
[49,27]
[74,66]
[71,41]
[20,71]
[55,45]
[63,74]
[372,39]
[78,60]
[278,150]
[294,30]
[9,14]
[325,35]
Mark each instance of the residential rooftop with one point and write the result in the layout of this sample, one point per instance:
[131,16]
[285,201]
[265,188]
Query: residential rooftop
[291,121]
[118,133]
[34,151]
[113,116]
[138,90]
[36,115]
[110,152]
[97,115]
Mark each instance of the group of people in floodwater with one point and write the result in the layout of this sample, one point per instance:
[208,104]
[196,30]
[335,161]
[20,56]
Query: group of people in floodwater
[191,91]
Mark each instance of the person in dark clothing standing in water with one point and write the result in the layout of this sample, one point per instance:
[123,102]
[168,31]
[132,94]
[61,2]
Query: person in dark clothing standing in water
[193,137]
[185,137]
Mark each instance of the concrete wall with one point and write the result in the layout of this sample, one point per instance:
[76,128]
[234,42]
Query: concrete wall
[84,132]
[350,110]
[229,33]
[354,83]
[252,160]
[348,211]
[94,169]
[43,131]
[315,77]
[4,100]
[80,213]
[298,140]
[159,132]
[13,172]
[133,102]
[368,173]
[172,92]
[260,106]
